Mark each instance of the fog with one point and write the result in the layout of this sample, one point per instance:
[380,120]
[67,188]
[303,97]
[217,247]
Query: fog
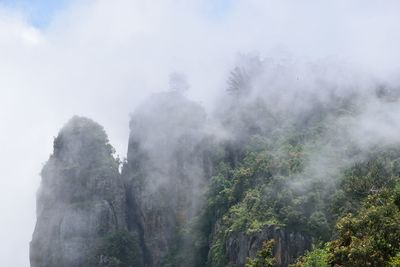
[101,58]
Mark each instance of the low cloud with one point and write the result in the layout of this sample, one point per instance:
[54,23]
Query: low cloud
[101,58]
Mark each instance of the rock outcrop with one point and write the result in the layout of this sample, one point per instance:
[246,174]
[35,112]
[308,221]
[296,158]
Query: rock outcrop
[88,214]
[288,246]
[165,171]
[81,197]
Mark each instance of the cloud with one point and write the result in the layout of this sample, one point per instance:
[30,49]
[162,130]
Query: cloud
[101,58]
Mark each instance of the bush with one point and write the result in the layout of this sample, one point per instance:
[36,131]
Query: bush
[264,257]
[316,258]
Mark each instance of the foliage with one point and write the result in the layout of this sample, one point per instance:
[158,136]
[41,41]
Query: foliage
[82,140]
[264,257]
[319,257]
[256,194]
[371,237]
[364,178]
[270,175]
[395,261]
[217,252]
[258,191]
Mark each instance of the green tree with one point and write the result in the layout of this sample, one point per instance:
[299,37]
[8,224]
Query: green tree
[264,257]
[319,257]
[372,236]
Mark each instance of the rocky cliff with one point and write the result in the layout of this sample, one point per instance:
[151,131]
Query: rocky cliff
[150,214]
[165,172]
[81,197]
[288,246]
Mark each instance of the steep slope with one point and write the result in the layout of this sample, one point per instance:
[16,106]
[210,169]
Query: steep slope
[165,172]
[281,176]
[81,197]
[288,245]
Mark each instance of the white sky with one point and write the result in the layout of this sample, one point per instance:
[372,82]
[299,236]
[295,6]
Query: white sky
[100,58]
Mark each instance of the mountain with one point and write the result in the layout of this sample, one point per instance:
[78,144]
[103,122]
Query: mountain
[165,171]
[278,175]
[81,197]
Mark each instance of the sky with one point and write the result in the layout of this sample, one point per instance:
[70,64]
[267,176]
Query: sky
[38,12]
[101,58]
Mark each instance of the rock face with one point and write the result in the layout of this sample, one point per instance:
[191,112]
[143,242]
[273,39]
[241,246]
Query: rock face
[88,214]
[81,197]
[165,171]
[288,247]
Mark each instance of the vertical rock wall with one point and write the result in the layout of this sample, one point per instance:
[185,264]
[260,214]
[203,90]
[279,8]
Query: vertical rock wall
[81,198]
[288,247]
[165,171]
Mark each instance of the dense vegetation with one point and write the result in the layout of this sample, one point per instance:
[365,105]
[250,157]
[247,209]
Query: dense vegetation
[358,213]
[302,173]
[278,177]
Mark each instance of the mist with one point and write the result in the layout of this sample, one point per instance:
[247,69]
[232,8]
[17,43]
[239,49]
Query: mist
[101,59]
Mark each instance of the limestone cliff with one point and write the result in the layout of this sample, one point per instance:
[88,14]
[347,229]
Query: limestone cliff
[81,197]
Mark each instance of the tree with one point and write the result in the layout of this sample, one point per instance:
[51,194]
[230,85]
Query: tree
[372,236]
[264,257]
